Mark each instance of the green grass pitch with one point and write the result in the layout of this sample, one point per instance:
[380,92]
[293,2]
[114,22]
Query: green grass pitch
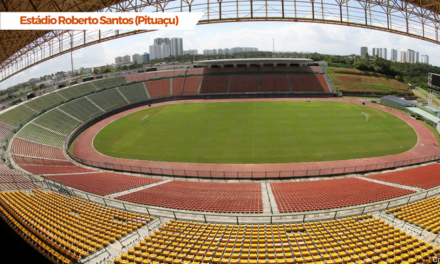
[255,132]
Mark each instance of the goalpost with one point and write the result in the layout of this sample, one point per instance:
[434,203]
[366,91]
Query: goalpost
[366,116]
[145,117]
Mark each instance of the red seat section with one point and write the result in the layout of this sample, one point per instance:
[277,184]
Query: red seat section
[195,71]
[266,69]
[37,161]
[140,77]
[308,83]
[244,83]
[29,148]
[170,73]
[330,194]
[102,183]
[45,169]
[177,86]
[274,83]
[252,69]
[5,130]
[311,69]
[287,69]
[231,69]
[10,179]
[159,88]
[215,84]
[425,177]
[192,84]
[201,196]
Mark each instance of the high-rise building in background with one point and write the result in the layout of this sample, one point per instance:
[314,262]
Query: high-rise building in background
[176,47]
[136,58]
[364,50]
[380,53]
[403,56]
[126,59]
[154,52]
[416,57]
[190,52]
[118,60]
[162,41]
[384,53]
[144,58]
[425,59]
[410,56]
[393,55]
[374,52]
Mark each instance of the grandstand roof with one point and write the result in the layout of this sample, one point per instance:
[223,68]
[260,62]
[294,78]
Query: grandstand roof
[255,61]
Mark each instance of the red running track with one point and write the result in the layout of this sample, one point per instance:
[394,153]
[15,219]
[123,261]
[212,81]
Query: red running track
[426,146]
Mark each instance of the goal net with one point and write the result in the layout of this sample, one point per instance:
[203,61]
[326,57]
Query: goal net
[366,116]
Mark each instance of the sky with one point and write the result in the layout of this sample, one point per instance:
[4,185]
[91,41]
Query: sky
[289,36]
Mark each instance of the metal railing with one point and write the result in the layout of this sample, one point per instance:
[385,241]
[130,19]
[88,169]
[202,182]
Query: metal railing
[254,174]
[325,214]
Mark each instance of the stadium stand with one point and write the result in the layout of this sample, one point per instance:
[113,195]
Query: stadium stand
[108,99]
[425,177]
[252,69]
[57,121]
[266,69]
[195,71]
[44,102]
[202,196]
[32,149]
[110,82]
[311,69]
[308,83]
[141,76]
[215,84]
[102,183]
[81,109]
[37,134]
[17,115]
[329,194]
[66,229]
[46,169]
[177,86]
[192,84]
[232,70]
[161,74]
[134,92]
[11,180]
[358,239]
[287,69]
[244,83]
[159,88]
[5,130]
[38,161]
[76,90]
[274,83]
[424,213]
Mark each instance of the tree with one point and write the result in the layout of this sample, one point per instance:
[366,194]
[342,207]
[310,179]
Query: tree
[399,78]
[95,71]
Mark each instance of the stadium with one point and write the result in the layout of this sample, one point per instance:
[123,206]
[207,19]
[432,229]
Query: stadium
[231,161]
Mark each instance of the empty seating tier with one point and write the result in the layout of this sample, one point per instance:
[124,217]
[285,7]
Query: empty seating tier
[141,76]
[195,71]
[201,196]
[110,82]
[81,109]
[161,74]
[287,69]
[329,194]
[17,115]
[29,148]
[76,90]
[11,180]
[57,121]
[5,130]
[192,84]
[308,83]
[108,99]
[231,69]
[38,134]
[350,240]
[311,69]
[44,102]
[215,84]
[425,177]
[266,69]
[37,161]
[46,169]
[425,214]
[159,88]
[244,83]
[67,228]
[134,92]
[274,83]
[102,183]
[177,86]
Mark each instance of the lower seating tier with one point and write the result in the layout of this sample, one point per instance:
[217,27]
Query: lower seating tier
[159,88]
[29,148]
[201,196]
[215,84]
[46,170]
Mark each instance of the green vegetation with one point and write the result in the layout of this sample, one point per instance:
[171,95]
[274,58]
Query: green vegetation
[357,82]
[255,132]
[426,94]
